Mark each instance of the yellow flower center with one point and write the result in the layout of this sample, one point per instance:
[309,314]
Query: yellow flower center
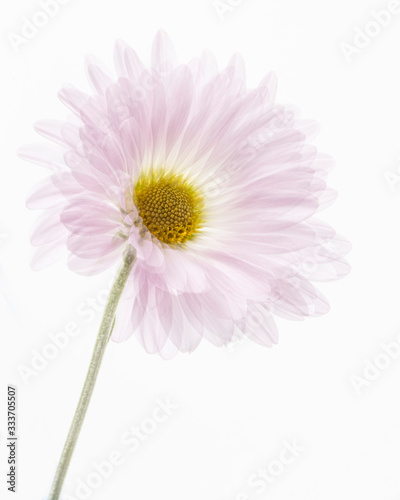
[170,207]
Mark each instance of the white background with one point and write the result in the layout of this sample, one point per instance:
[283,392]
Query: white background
[236,407]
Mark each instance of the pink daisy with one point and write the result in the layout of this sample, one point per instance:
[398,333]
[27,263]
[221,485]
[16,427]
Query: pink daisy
[213,185]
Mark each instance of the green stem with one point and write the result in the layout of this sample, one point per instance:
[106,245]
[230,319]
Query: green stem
[97,356]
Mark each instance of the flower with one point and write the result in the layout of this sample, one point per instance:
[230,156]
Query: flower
[214,185]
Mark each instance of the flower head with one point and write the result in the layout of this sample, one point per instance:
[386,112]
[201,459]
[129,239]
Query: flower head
[214,185]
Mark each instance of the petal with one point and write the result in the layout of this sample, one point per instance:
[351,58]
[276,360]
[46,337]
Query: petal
[163,54]
[43,155]
[97,76]
[47,229]
[45,195]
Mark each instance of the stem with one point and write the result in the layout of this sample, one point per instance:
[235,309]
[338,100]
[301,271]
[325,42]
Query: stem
[103,337]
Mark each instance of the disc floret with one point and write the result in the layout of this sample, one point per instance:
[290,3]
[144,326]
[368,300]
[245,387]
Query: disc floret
[170,207]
